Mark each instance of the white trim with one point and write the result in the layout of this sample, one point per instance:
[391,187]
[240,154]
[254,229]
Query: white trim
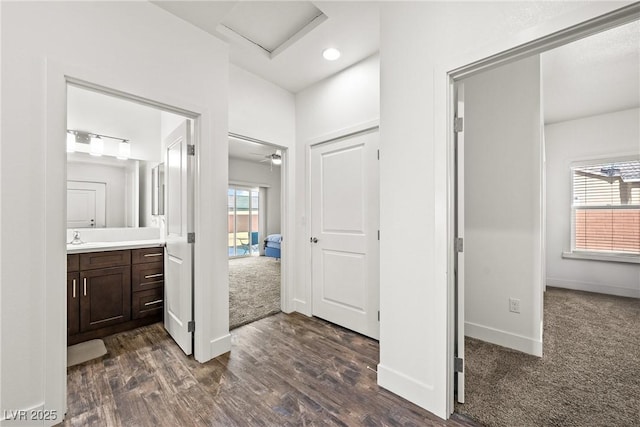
[344,132]
[593,287]
[302,307]
[247,185]
[220,345]
[505,339]
[603,256]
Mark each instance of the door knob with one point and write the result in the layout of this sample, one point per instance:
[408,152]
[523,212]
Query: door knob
[313,240]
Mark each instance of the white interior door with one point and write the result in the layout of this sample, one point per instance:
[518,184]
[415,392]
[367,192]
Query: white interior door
[344,225]
[178,286]
[459,188]
[86,204]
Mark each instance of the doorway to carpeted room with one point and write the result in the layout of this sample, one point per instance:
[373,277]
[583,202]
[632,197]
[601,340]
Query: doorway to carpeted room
[254,289]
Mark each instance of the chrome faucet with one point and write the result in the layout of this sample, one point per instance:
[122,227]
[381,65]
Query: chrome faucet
[76,238]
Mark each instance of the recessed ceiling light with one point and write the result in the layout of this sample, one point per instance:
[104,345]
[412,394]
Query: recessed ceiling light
[331,54]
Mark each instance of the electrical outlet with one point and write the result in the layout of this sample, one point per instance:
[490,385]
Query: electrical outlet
[514,305]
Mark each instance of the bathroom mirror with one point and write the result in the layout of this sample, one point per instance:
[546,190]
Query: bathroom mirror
[105,192]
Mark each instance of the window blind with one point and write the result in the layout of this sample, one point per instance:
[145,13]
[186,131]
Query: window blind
[606,207]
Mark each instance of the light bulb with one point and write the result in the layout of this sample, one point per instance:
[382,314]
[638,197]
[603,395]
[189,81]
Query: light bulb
[124,150]
[331,54]
[96,146]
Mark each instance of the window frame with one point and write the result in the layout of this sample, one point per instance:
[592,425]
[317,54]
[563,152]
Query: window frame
[594,254]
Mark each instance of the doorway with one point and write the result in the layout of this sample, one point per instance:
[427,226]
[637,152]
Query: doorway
[510,304]
[115,149]
[255,234]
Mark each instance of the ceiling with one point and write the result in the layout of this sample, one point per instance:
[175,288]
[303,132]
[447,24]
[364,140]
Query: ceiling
[596,75]
[288,36]
[94,112]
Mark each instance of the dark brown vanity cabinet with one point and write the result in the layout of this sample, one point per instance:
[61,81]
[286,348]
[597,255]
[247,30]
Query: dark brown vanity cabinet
[73,297]
[148,282]
[107,294]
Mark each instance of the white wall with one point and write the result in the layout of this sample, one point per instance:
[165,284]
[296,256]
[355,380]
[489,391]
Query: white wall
[244,172]
[502,212]
[419,43]
[589,138]
[115,179]
[260,109]
[347,99]
[134,47]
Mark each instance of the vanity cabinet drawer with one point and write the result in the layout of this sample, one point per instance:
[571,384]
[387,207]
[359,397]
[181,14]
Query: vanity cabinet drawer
[147,276]
[107,259]
[73,263]
[141,256]
[147,303]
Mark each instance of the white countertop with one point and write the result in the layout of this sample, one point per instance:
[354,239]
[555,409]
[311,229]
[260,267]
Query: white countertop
[112,246]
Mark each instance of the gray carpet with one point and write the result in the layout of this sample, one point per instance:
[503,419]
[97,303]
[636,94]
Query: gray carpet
[589,374]
[254,289]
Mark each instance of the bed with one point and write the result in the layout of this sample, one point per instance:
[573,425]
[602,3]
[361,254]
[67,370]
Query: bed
[272,245]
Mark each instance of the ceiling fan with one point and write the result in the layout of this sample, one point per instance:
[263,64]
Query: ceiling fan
[274,158]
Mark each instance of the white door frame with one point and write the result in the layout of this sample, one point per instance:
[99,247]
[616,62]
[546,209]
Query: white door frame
[286,229]
[305,305]
[58,77]
[458,69]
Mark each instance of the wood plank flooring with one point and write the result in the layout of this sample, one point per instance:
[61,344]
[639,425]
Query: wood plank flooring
[284,370]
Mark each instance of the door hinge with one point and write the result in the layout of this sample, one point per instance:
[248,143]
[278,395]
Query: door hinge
[378,315]
[191,326]
[191,150]
[458,124]
[458,364]
[459,244]
[191,237]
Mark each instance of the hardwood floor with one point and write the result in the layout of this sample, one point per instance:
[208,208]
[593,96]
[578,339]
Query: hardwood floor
[284,370]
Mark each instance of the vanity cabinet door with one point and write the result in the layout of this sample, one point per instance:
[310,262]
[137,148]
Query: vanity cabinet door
[105,297]
[73,303]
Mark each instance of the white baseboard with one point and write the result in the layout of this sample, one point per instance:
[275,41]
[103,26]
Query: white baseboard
[220,346]
[302,307]
[408,388]
[593,287]
[503,338]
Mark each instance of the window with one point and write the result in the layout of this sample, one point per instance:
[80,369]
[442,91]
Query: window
[243,213]
[606,207]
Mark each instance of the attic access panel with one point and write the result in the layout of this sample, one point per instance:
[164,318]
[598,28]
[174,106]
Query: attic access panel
[271,26]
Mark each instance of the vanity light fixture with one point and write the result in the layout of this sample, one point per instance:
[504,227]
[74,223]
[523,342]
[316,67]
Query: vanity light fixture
[124,150]
[96,143]
[96,146]
[331,54]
